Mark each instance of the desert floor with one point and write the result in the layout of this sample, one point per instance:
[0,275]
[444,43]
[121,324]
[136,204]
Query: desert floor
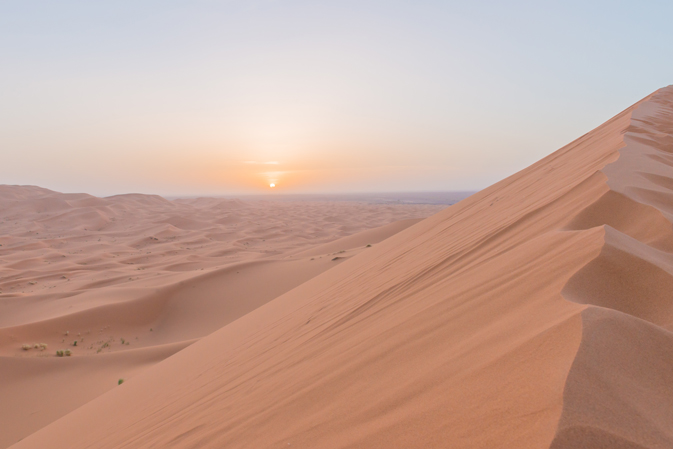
[124,282]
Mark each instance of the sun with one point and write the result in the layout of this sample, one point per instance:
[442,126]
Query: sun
[272,185]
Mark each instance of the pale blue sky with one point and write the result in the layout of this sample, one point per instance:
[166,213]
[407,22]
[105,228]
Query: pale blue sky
[180,97]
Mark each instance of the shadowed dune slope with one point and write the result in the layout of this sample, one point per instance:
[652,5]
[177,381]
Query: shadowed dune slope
[53,386]
[533,314]
[619,392]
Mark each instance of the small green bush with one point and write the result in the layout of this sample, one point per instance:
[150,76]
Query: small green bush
[59,353]
[67,353]
[120,381]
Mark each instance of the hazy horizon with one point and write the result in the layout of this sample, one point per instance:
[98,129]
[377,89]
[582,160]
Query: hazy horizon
[447,197]
[225,98]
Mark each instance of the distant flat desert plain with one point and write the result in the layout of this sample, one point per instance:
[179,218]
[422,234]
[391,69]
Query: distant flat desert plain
[124,282]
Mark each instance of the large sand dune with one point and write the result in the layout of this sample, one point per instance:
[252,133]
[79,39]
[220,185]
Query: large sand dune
[135,278]
[534,314]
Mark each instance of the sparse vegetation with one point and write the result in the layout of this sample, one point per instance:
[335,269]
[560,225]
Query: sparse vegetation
[59,353]
[120,381]
[368,246]
[40,346]
[67,353]
[104,345]
[74,343]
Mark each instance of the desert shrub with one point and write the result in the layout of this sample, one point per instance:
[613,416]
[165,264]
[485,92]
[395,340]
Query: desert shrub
[59,353]
[26,347]
[67,353]
[120,381]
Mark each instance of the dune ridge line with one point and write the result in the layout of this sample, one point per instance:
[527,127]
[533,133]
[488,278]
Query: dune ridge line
[627,286]
[532,314]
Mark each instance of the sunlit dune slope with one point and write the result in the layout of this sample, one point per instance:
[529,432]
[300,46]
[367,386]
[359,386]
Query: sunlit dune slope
[109,280]
[533,314]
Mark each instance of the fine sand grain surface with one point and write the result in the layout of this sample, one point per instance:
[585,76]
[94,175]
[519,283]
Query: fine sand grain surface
[536,313]
[125,282]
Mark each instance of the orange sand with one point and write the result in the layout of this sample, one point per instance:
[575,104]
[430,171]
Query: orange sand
[158,274]
[534,314]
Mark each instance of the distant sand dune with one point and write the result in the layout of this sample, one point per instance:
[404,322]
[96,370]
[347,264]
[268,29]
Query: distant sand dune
[136,278]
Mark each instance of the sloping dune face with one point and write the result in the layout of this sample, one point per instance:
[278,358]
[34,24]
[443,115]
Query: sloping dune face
[530,315]
[124,282]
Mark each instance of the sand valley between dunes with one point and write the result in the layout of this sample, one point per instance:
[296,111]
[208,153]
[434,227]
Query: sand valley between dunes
[536,313]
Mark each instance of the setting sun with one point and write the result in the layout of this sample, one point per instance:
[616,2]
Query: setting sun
[412,281]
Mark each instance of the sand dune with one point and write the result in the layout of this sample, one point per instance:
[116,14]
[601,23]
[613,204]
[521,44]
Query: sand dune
[132,279]
[533,314]
[38,390]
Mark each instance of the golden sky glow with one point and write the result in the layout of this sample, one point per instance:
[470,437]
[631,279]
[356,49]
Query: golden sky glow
[207,98]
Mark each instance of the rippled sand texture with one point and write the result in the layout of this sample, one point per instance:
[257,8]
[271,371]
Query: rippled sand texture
[125,282]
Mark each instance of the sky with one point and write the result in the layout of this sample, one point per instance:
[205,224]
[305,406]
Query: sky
[227,97]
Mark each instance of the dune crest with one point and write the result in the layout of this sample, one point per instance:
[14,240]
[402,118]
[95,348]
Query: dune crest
[618,392]
[530,315]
